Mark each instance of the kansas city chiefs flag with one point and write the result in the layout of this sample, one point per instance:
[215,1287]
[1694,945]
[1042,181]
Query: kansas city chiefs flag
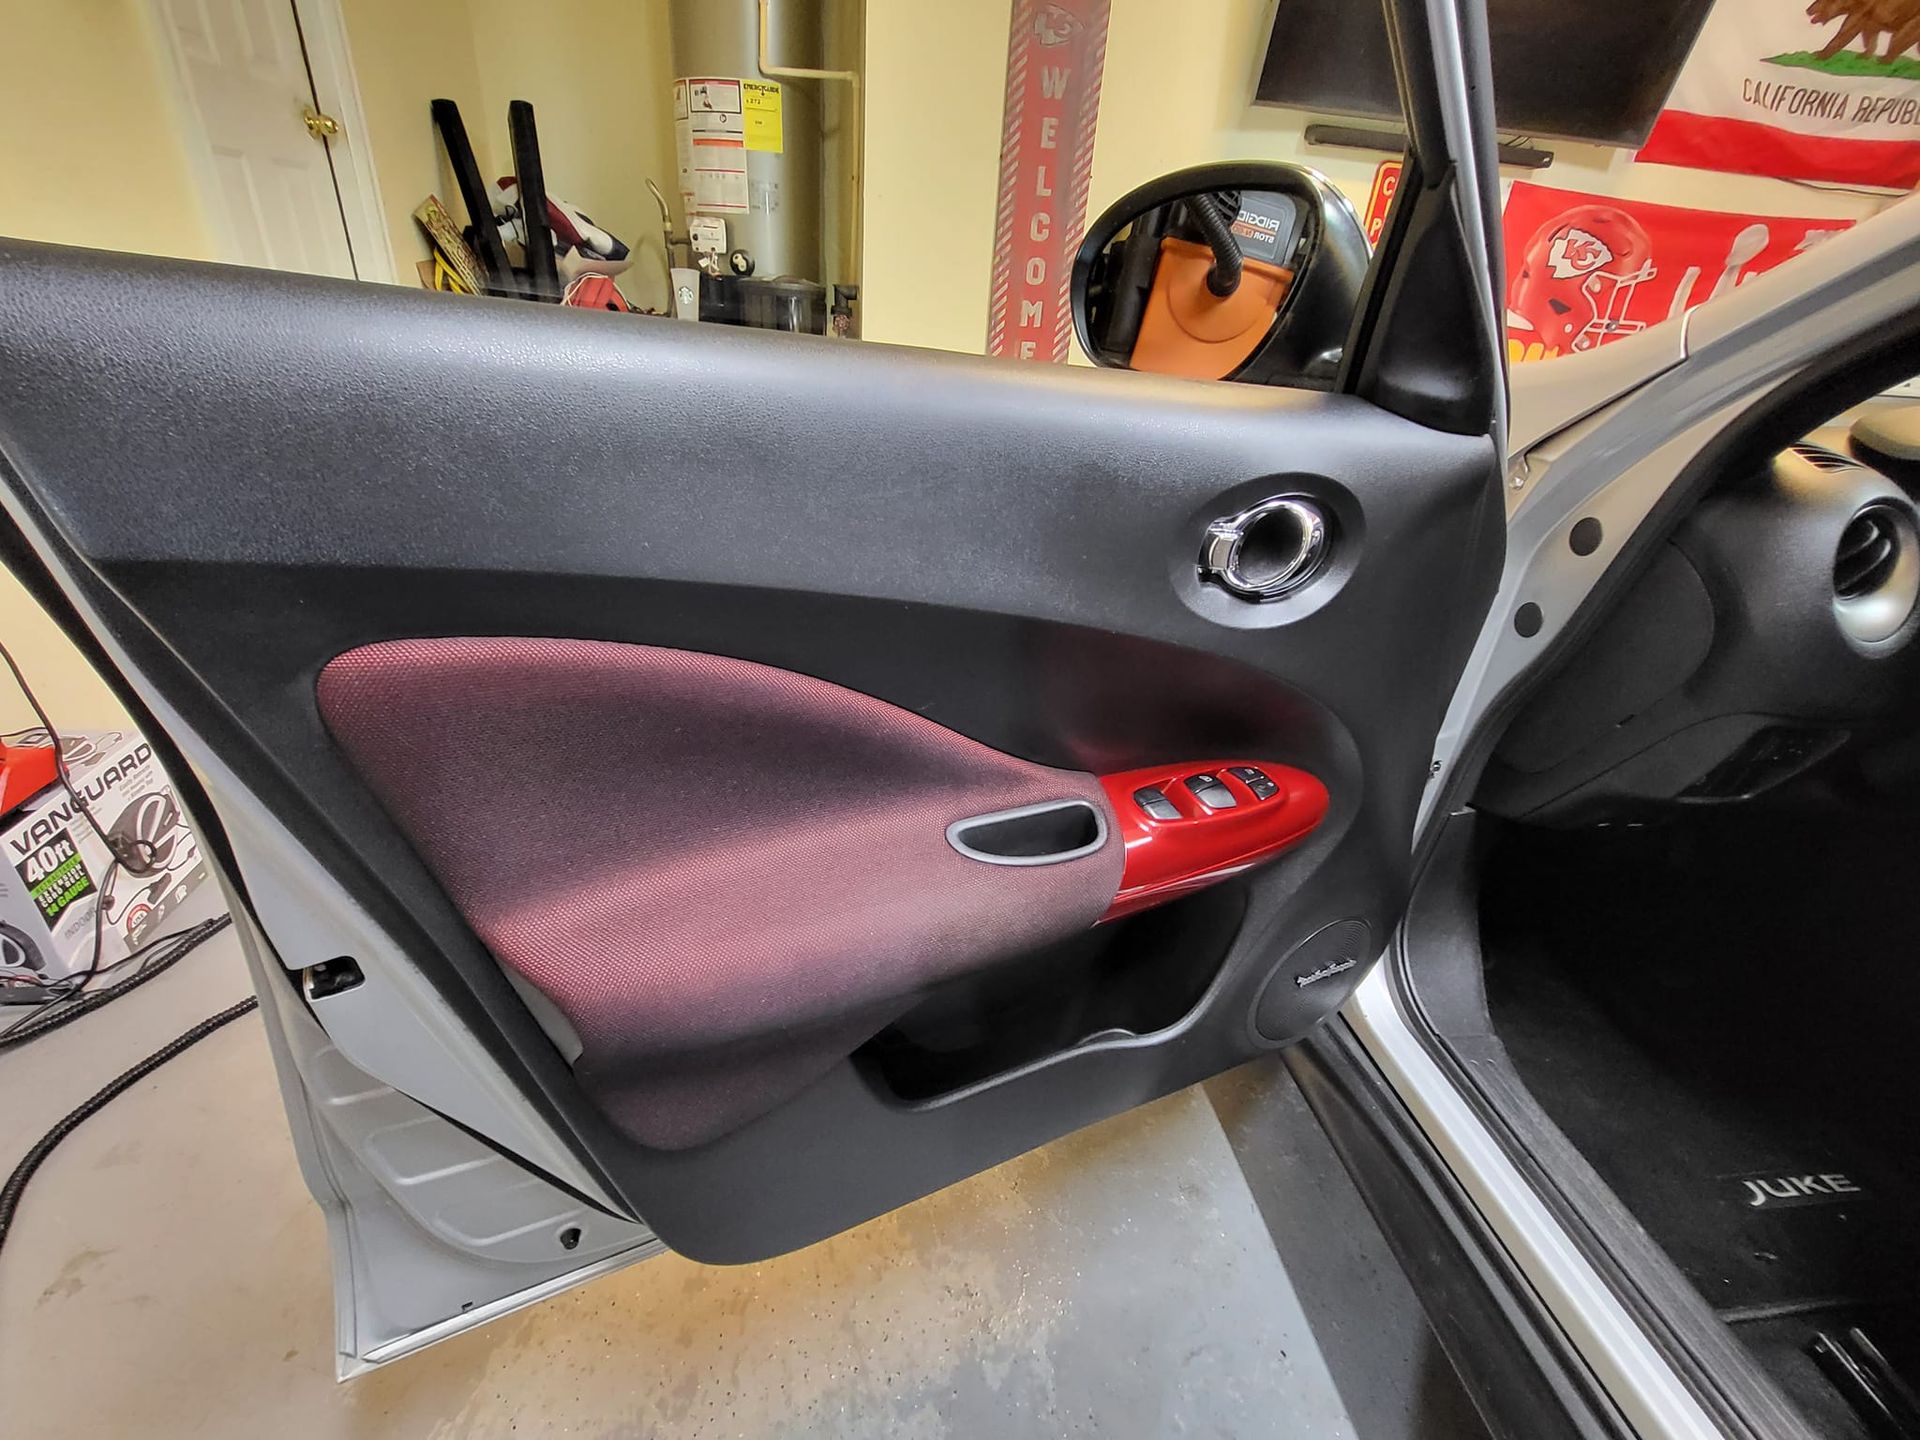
[1822,91]
[1586,270]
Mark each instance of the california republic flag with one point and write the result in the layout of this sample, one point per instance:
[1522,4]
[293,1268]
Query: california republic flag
[1826,91]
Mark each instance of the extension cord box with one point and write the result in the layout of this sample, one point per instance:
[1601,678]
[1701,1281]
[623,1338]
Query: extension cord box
[56,866]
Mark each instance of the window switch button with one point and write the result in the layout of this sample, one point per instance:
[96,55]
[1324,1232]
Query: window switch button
[1155,803]
[1208,790]
[1258,781]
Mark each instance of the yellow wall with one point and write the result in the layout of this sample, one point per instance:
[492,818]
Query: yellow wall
[596,72]
[404,56]
[75,697]
[936,83]
[90,152]
[89,155]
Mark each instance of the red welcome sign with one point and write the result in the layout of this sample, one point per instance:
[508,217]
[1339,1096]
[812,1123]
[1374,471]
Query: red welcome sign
[1055,53]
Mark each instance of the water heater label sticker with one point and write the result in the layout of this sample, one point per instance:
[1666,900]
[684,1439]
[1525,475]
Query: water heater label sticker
[709,96]
[725,128]
[760,100]
[718,190]
[709,132]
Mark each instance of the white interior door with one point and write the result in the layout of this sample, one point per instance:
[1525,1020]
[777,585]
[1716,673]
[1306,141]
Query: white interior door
[270,178]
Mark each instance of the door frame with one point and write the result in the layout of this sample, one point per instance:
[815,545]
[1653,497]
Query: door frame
[336,89]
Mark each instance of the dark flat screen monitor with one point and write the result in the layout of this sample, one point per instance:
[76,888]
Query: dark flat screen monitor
[1594,70]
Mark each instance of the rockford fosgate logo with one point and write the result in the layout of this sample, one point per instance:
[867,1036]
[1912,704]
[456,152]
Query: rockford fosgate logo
[1323,972]
[50,821]
[1777,1192]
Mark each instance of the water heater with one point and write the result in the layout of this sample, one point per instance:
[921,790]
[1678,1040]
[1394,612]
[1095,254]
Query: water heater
[749,143]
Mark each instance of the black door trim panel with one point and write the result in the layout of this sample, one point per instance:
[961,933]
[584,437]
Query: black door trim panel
[252,473]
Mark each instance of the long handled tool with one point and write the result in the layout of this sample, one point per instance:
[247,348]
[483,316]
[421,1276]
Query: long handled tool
[487,245]
[543,276]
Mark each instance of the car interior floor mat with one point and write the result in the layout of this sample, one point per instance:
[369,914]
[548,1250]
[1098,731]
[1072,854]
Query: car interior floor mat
[1819,1358]
[1704,1011]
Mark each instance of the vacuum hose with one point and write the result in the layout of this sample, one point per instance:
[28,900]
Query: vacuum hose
[1224,278]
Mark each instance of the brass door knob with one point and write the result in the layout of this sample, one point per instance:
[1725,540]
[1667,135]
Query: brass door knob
[321,127]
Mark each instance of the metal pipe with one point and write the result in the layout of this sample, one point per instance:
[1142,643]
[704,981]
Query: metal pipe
[668,240]
[795,72]
[851,78]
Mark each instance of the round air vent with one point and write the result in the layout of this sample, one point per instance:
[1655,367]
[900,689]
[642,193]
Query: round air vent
[1876,574]
[1869,551]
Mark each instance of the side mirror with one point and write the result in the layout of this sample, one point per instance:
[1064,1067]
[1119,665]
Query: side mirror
[1248,270]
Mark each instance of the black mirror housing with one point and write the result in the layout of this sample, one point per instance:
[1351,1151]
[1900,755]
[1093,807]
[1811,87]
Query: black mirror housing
[1245,270]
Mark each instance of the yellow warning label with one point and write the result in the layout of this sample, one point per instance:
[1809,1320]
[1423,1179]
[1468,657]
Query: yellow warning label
[760,102]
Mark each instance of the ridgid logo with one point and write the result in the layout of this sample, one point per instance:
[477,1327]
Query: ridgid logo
[1776,1191]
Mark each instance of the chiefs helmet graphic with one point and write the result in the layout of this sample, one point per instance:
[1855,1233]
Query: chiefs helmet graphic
[1577,278]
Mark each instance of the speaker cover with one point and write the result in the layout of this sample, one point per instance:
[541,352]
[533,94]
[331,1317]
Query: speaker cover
[1313,981]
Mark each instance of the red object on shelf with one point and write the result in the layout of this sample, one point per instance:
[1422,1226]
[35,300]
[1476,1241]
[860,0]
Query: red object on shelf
[1169,858]
[25,770]
[594,291]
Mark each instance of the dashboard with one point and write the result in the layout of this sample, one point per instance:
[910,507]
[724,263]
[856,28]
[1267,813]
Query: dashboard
[1766,653]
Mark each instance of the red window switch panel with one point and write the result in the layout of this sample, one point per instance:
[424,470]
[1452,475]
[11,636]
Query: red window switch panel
[1189,826]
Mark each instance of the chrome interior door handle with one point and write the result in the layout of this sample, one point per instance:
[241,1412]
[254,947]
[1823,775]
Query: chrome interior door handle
[1267,550]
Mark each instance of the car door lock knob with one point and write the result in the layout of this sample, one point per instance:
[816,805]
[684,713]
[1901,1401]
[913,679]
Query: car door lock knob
[1268,550]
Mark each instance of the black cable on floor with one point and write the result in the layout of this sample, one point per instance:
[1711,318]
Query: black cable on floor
[16,1185]
[85,1002]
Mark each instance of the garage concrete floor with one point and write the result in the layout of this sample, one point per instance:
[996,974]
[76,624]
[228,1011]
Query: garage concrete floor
[1200,1266]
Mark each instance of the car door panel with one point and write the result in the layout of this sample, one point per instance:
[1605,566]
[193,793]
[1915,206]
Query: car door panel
[993,559]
